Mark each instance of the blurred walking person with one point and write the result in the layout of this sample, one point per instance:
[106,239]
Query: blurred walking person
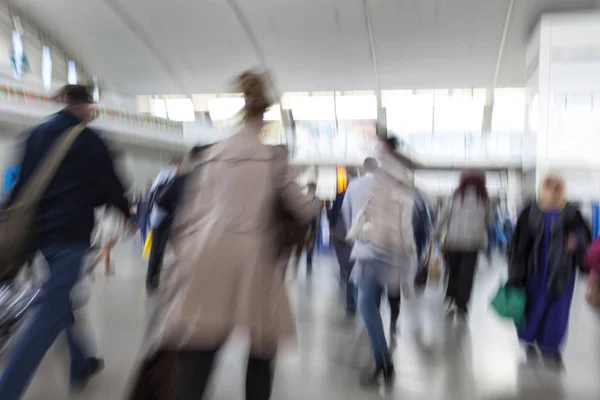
[462,230]
[227,271]
[384,252]
[548,243]
[63,226]
[308,245]
[160,232]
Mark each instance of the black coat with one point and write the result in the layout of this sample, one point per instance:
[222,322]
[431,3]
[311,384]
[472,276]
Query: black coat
[526,241]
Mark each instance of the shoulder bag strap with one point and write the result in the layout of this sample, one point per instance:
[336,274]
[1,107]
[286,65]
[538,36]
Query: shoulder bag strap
[46,169]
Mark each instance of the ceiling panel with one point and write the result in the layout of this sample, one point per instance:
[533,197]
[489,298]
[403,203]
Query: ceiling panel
[314,44]
[90,30]
[198,46]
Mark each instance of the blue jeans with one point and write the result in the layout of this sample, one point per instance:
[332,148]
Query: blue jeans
[369,298]
[50,315]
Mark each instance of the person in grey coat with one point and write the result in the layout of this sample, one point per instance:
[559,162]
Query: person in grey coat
[462,230]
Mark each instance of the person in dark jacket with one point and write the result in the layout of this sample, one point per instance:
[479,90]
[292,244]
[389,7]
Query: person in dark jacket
[63,224]
[548,243]
[160,233]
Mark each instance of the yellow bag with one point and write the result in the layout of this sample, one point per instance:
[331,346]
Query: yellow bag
[147,247]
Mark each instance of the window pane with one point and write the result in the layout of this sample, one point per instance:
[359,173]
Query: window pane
[356,107]
[47,67]
[224,108]
[508,114]
[409,113]
[72,72]
[181,110]
[458,113]
[158,108]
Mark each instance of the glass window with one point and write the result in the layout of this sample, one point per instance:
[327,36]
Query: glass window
[158,108]
[181,110]
[18,55]
[96,90]
[508,114]
[356,107]
[224,108]
[407,112]
[72,72]
[313,108]
[47,67]
[459,111]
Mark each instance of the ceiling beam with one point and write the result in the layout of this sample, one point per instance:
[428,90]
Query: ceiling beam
[369,26]
[489,104]
[138,30]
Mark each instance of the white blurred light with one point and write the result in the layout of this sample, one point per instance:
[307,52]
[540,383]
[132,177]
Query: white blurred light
[47,67]
[72,72]
[181,110]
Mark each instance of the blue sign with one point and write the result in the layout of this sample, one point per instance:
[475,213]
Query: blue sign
[11,176]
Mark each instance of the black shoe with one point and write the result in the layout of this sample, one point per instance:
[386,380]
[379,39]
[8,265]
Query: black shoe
[94,367]
[372,378]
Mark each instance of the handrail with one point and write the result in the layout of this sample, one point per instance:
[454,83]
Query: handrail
[17,94]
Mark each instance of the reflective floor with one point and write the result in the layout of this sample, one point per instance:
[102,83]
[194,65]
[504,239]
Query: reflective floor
[436,358]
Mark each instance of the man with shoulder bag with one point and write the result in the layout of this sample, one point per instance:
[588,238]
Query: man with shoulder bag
[66,172]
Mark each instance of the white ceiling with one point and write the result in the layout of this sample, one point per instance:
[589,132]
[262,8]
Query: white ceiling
[192,46]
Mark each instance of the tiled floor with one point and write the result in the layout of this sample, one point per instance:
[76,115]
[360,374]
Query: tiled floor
[442,360]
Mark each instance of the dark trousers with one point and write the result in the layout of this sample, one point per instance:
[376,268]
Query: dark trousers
[310,249]
[196,368]
[342,252]
[160,237]
[462,267]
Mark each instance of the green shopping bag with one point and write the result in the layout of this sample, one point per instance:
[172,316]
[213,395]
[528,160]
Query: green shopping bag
[510,302]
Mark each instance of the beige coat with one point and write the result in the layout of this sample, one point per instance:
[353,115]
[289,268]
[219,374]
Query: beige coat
[225,273]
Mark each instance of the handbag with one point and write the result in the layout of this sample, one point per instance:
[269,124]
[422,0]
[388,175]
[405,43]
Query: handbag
[434,264]
[361,224]
[509,302]
[16,220]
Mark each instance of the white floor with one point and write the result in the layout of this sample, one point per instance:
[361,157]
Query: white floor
[481,360]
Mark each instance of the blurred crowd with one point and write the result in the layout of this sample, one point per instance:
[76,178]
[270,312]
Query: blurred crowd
[235,219]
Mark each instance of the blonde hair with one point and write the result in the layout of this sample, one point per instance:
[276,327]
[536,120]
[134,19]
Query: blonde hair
[555,181]
[253,85]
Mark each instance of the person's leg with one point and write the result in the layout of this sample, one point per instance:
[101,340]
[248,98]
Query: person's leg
[369,295]
[259,378]
[452,262]
[50,315]
[196,369]
[160,237]
[310,248]
[467,267]
[342,252]
[394,302]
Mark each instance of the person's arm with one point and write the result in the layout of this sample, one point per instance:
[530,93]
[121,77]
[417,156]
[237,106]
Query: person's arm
[110,189]
[303,207]
[518,252]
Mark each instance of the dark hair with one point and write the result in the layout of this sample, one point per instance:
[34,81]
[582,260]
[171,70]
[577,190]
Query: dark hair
[351,172]
[312,185]
[74,95]
[252,85]
[392,142]
[472,179]
[370,164]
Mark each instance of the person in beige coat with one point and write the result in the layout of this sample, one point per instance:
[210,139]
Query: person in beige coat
[227,271]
